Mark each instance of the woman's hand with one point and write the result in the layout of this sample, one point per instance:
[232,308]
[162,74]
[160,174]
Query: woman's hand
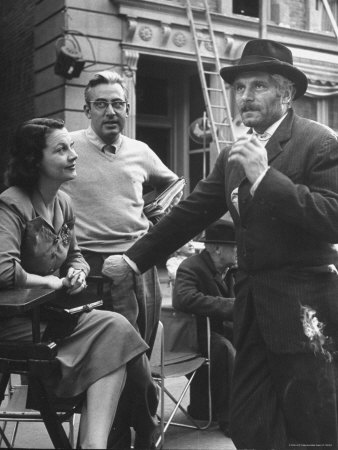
[75,281]
[52,282]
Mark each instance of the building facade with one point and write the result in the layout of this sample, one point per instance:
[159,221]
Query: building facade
[151,44]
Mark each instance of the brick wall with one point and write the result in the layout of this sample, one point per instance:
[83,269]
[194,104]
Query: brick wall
[17,74]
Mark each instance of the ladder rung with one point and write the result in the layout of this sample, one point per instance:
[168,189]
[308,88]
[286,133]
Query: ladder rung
[204,39]
[222,124]
[197,8]
[214,89]
[211,73]
[218,106]
[202,25]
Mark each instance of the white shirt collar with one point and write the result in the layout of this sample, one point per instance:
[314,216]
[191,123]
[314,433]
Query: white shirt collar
[98,142]
[272,128]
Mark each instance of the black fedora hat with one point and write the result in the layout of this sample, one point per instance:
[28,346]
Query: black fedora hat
[220,232]
[264,55]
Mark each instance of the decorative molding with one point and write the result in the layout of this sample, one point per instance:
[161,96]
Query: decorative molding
[130,58]
[179,39]
[132,24]
[145,33]
[166,31]
[208,46]
[229,42]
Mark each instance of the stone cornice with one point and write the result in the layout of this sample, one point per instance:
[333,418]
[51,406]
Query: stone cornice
[162,29]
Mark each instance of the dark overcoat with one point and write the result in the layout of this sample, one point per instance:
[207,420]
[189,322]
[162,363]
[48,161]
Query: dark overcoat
[285,234]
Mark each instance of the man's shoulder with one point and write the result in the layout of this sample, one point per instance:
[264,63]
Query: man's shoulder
[313,127]
[135,142]
[193,262]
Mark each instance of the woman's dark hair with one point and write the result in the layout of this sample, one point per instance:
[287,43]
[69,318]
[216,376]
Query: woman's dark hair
[27,152]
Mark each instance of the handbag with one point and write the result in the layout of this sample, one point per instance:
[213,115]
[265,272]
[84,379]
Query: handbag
[63,313]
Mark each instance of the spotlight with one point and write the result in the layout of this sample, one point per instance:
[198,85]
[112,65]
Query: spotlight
[69,61]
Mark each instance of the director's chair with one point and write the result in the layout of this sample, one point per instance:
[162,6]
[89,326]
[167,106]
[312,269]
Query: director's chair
[35,361]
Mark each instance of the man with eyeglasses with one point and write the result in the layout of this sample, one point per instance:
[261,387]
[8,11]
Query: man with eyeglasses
[108,203]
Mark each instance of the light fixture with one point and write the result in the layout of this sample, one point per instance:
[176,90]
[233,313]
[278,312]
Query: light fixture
[69,61]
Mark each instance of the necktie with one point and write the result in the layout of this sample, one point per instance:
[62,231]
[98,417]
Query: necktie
[108,148]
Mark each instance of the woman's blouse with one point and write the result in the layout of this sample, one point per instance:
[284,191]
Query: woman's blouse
[32,243]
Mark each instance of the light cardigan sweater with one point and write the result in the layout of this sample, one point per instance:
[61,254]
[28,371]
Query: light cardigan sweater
[107,192]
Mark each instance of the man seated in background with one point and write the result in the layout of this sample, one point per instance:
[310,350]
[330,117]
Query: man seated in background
[204,286]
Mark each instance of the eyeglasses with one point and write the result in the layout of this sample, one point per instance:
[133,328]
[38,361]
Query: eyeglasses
[102,105]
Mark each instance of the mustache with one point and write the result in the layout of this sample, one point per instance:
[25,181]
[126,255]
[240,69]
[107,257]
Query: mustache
[248,107]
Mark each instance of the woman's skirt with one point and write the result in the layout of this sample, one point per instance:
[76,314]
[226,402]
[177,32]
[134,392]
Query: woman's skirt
[102,341]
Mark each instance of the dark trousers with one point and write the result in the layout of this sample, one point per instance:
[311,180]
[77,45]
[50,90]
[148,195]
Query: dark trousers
[137,408]
[281,401]
[222,356]
[138,298]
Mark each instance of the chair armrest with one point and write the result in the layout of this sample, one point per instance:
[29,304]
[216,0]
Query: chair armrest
[25,350]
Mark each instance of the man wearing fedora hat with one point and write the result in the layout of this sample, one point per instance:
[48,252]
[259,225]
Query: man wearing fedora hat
[280,185]
[204,287]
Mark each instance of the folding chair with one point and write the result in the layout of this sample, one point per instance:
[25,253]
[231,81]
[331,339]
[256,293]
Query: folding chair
[176,354]
[35,361]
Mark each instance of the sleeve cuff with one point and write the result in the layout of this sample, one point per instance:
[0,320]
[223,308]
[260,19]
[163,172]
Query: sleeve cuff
[257,182]
[131,264]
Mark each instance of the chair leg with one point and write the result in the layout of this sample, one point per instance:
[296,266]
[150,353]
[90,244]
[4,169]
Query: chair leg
[71,434]
[160,440]
[4,438]
[4,379]
[49,416]
[16,426]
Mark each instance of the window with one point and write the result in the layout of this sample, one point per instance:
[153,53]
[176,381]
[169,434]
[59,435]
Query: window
[333,112]
[246,7]
[326,23]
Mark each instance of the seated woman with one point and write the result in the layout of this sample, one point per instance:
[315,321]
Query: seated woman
[37,243]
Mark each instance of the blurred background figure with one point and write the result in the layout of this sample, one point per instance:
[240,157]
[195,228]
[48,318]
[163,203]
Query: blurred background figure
[180,255]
